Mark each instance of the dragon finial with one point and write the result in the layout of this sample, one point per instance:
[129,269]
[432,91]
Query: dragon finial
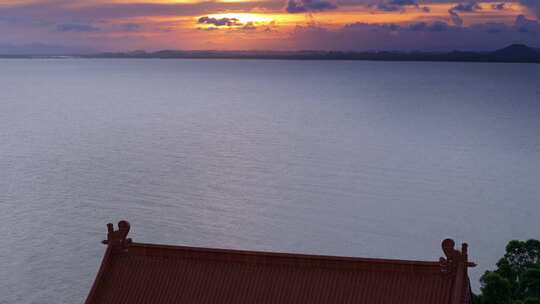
[117,239]
[454,257]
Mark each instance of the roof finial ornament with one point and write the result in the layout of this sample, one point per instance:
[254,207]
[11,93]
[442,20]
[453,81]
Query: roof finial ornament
[117,239]
[454,257]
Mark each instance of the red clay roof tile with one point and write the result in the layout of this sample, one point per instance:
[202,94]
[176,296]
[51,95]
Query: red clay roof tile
[145,273]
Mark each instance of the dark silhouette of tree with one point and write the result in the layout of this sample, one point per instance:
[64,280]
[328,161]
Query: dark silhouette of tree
[517,277]
[531,282]
[495,289]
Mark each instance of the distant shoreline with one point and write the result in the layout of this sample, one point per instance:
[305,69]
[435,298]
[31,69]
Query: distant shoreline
[254,58]
[512,54]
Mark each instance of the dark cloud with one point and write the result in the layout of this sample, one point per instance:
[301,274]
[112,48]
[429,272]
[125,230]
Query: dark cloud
[234,26]
[525,25]
[219,21]
[456,19]
[249,26]
[403,2]
[304,6]
[465,7]
[435,36]
[75,27]
[388,7]
[399,5]
[499,6]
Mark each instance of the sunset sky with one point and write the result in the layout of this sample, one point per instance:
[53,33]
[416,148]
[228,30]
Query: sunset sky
[119,25]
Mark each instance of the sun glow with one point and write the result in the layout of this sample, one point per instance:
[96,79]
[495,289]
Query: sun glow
[244,17]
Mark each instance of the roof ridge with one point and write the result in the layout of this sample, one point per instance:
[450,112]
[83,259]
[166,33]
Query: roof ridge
[285,254]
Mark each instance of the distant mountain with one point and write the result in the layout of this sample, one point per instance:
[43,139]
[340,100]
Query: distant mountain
[517,52]
[38,49]
[512,53]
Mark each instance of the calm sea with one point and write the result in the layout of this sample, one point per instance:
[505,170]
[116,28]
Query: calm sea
[370,159]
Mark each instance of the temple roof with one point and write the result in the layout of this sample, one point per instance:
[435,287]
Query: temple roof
[149,273]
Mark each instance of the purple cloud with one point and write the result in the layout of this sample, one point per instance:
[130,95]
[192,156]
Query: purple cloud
[435,36]
[466,7]
[219,21]
[398,5]
[304,6]
[77,28]
[499,6]
[388,7]
[403,2]
[525,25]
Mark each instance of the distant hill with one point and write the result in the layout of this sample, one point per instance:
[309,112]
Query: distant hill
[512,53]
[517,52]
[38,49]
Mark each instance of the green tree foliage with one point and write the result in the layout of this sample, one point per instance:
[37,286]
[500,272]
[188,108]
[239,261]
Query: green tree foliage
[531,282]
[495,289]
[531,301]
[517,277]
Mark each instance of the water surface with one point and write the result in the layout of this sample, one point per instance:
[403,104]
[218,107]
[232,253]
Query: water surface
[374,159]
